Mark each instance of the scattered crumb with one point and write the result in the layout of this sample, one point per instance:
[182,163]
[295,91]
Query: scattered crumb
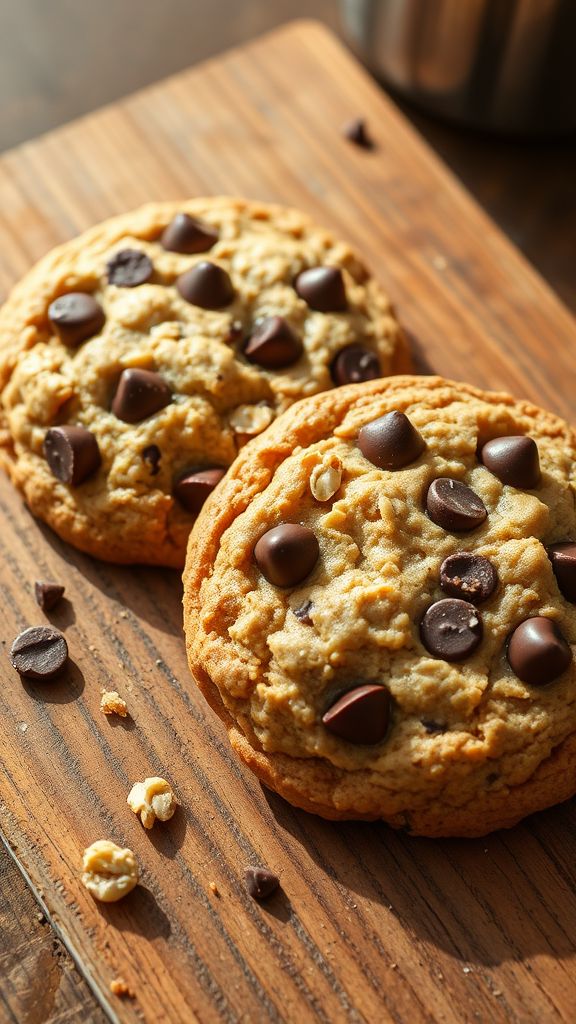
[40,917]
[158,661]
[121,988]
[111,703]
[466,970]
[394,967]
[123,614]
[496,992]
[109,872]
[214,888]
[356,131]
[23,726]
[439,262]
[151,799]
[91,647]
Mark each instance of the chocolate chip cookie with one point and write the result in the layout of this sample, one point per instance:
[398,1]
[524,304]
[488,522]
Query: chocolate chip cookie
[136,360]
[380,605]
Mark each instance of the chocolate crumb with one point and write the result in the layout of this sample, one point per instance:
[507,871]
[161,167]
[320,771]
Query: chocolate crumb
[356,131]
[47,594]
[260,882]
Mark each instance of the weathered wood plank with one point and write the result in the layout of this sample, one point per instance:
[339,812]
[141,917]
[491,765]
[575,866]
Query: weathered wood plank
[371,925]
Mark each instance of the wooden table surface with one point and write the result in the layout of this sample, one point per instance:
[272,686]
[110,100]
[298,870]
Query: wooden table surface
[371,925]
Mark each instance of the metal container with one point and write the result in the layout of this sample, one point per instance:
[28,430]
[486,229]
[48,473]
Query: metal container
[507,65]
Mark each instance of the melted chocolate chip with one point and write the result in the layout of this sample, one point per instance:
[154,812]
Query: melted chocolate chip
[40,652]
[140,393]
[355,364]
[206,285]
[193,488]
[261,883]
[322,288]
[72,453]
[468,576]
[152,455]
[451,629]
[187,235]
[287,554]
[303,613]
[563,558]
[273,344]
[129,268]
[360,716]
[75,317]
[454,506]
[47,594]
[537,651]
[391,441]
[514,460]
[356,131]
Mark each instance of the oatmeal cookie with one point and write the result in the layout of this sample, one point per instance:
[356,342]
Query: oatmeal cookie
[137,359]
[380,605]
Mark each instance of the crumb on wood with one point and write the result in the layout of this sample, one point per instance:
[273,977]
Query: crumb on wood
[111,703]
[214,888]
[121,988]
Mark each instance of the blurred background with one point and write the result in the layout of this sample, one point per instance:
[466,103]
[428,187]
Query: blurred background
[490,83]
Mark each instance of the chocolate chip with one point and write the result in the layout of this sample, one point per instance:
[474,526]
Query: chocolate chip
[72,453]
[129,268]
[47,594]
[187,235]
[431,726]
[273,344]
[469,576]
[152,456]
[261,883]
[206,285]
[303,613]
[514,460]
[391,441]
[40,652]
[76,317]
[360,716]
[287,554]
[139,394]
[355,131]
[355,364]
[193,488]
[454,506]
[537,651]
[322,288]
[563,558]
[451,629]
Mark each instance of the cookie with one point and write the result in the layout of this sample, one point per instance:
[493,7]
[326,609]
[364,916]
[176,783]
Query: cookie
[380,605]
[136,360]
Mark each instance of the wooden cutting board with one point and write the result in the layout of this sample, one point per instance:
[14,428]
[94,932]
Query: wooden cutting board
[371,925]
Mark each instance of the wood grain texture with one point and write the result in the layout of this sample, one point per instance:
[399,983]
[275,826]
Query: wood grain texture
[370,925]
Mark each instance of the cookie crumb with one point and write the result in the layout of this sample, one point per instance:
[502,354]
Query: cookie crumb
[121,988]
[109,871]
[214,888]
[111,703]
[151,799]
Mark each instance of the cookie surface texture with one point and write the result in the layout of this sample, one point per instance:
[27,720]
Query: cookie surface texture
[127,365]
[377,679]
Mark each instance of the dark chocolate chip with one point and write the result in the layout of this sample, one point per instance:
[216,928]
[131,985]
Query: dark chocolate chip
[72,453]
[514,460]
[129,268]
[273,344]
[187,235]
[431,726]
[360,716]
[469,576]
[451,629]
[287,554]
[355,364]
[322,288]
[76,317]
[391,441]
[261,883]
[355,131]
[152,455]
[40,652]
[537,651]
[303,613]
[206,285]
[563,558]
[454,506]
[139,394]
[47,594]
[193,488]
